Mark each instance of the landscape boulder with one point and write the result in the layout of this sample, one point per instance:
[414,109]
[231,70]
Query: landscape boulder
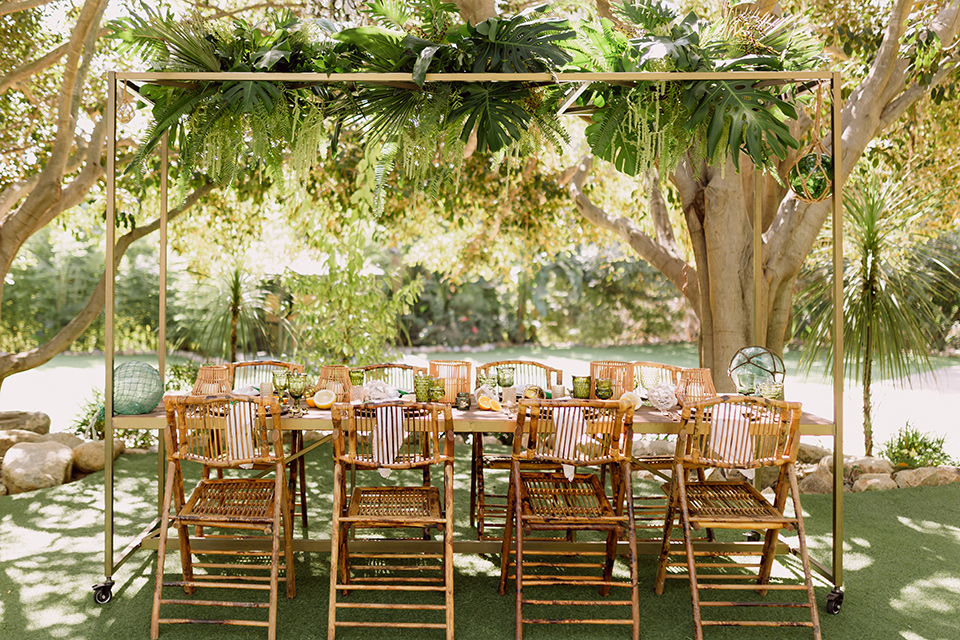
[34,421]
[874,482]
[811,453]
[866,466]
[36,465]
[926,477]
[647,447]
[90,456]
[63,438]
[10,437]
[820,481]
[3,489]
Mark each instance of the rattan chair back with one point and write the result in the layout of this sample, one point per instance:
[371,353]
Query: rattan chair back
[620,373]
[212,379]
[419,440]
[526,372]
[456,377]
[739,432]
[649,374]
[397,375]
[336,378]
[256,372]
[695,385]
[575,432]
[224,431]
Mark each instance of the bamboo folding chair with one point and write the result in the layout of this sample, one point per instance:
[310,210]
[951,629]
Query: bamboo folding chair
[225,432]
[455,375]
[571,434]
[736,432]
[489,510]
[391,437]
[620,373]
[398,376]
[255,373]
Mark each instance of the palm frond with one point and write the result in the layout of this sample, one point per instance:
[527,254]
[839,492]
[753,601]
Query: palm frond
[393,14]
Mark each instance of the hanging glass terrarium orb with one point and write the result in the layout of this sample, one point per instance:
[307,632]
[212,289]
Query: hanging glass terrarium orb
[811,177]
[752,366]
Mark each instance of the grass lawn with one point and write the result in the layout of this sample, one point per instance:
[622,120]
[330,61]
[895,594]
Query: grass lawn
[902,550]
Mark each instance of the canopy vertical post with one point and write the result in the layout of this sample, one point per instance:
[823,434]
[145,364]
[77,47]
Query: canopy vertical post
[836,124]
[162,329]
[111,274]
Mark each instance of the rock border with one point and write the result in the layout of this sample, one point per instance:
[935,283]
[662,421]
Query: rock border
[815,470]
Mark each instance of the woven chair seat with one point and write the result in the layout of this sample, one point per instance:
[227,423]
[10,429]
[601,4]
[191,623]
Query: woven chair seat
[551,495]
[731,502]
[396,502]
[243,500]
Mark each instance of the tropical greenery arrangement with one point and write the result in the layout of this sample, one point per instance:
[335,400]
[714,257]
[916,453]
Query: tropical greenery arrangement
[422,127]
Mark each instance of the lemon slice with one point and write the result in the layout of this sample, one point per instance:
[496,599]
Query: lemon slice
[484,402]
[630,396]
[495,405]
[324,398]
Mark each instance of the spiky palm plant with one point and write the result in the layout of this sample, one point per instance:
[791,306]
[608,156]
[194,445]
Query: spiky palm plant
[226,314]
[888,317]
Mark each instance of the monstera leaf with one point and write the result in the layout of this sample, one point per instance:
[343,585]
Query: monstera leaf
[498,119]
[649,14]
[384,46]
[753,120]
[520,45]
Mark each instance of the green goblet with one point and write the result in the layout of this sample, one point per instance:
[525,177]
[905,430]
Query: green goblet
[297,386]
[280,380]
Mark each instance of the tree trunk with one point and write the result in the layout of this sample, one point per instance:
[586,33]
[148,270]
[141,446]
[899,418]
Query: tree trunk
[867,394]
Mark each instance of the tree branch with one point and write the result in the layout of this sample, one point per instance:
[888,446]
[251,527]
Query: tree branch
[660,215]
[675,269]
[9,7]
[897,107]
[868,94]
[11,363]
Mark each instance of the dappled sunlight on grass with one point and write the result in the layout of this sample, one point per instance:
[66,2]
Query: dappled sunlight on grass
[937,595]
[930,526]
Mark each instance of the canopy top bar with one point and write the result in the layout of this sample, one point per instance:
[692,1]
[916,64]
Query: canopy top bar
[550,78]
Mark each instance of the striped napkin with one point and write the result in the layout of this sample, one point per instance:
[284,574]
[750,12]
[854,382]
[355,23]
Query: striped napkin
[387,436]
[570,430]
[240,432]
[730,428]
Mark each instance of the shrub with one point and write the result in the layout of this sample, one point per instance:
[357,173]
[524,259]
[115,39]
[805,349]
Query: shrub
[89,424]
[910,448]
[180,377]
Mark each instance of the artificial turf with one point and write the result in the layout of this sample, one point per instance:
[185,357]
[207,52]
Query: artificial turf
[901,570]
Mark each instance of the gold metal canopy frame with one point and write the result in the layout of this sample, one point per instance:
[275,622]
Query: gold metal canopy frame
[118,81]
